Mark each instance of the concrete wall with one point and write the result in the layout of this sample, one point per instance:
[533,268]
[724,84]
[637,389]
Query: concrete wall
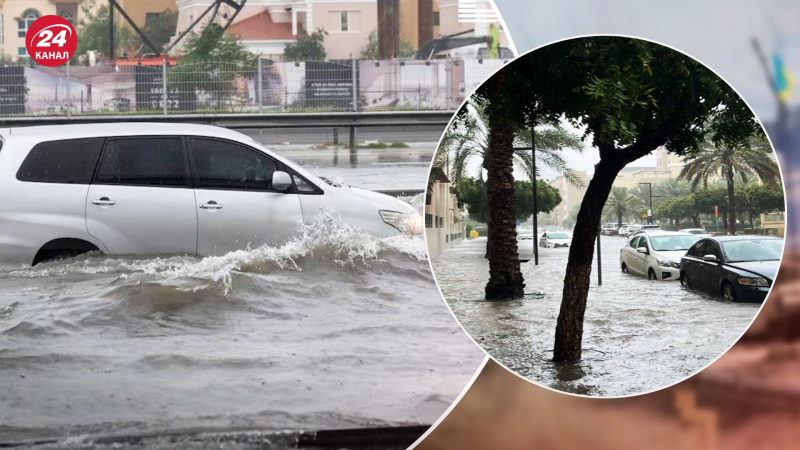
[447,232]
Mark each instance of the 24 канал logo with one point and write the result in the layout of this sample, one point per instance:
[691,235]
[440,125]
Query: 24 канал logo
[51,41]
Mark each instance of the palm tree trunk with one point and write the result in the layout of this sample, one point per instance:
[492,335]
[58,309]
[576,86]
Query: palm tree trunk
[569,328]
[505,277]
[731,201]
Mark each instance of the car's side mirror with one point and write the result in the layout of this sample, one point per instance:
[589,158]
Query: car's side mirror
[710,258]
[281,181]
[642,250]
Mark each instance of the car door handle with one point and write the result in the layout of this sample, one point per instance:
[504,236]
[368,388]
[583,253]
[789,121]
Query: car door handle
[103,201]
[212,205]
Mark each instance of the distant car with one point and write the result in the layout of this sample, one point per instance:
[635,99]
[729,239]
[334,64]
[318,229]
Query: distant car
[736,268]
[552,228]
[623,230]
[524,235]
[655,254]
[699,232]
[554,239]
[646,228]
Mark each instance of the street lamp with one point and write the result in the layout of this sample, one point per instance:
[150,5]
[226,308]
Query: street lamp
[650,207]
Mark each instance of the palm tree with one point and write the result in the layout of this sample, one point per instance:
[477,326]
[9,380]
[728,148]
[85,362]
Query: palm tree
[757,158]
[621,203]
[471,140]
[674,187]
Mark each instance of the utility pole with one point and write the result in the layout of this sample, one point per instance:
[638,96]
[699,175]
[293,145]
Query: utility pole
[111,30]
[533,177]
[650,204]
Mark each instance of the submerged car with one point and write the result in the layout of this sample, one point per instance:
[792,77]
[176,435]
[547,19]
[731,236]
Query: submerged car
[736,268]
[152,188]
[525,235]
[555,239]
[655,254]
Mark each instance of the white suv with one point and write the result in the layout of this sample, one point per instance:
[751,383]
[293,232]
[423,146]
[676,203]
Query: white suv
[148,188]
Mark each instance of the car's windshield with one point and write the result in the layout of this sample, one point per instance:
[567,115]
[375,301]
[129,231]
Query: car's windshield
[557,235]
[753,250]
[672,243]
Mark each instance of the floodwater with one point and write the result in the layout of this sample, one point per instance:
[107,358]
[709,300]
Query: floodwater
[337,329]
[639,335]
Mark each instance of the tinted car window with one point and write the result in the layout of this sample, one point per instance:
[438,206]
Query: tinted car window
[305,187]
[66,161]
[224,165]
[712,248]
[143,162]
[635,242]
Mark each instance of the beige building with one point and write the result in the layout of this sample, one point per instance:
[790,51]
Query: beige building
[630,177]
[17,15]
[669,162]
[266,26]
[571,195]
[444,221]
[409,21]
[478,16]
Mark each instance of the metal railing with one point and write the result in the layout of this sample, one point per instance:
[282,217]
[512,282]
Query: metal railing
[265,86]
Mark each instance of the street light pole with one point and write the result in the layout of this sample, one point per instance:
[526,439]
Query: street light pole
[650,202]
[533,176]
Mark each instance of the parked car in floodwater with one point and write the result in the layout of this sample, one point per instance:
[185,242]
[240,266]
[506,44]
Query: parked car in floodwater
[736,268]
[525,235]
[554,239]
[153,188]
[699,232]
[655,254]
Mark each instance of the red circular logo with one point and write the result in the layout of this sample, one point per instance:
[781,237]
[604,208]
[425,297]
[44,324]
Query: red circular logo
[51,41]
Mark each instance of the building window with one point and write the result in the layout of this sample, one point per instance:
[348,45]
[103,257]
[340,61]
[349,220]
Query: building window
[2,31]
[68,11]
[22,51]
[436,18]
[428,221]
[27,19]
[344,22]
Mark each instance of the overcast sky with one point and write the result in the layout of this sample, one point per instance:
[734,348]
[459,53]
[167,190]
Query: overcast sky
[717,32]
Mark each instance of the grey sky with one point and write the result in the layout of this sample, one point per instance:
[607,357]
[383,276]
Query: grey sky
[717,32]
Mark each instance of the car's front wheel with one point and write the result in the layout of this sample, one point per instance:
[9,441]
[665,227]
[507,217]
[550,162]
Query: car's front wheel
[624,268]
[651,274]
[685,280]
[728,293]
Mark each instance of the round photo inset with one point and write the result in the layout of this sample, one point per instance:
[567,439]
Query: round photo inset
[605,216]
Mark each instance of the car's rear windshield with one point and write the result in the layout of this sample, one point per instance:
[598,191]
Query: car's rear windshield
[557,235]
[698,231]
[672,243]
[753,250]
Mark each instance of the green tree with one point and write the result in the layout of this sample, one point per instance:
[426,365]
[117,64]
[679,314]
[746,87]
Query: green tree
[471,194]
[370,51]
[752,157]
[677,209]
[621,203]
[158,29]
[213,60]
[765,198]
[93,32]
[674,187]
[310,47]
[632,97]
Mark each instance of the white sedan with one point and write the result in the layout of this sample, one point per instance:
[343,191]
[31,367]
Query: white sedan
[699,232]
[553,239]
[656,254]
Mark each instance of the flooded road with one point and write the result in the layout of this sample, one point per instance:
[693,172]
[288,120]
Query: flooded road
[639,335]
[336,329]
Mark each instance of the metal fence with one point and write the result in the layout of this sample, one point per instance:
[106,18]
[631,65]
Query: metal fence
[221,87]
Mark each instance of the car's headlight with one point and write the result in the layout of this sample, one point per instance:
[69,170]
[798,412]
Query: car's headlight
[758,281]
[402,222]
[666,263]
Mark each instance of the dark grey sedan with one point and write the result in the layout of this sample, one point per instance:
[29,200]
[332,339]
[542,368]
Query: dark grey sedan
[737,268]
